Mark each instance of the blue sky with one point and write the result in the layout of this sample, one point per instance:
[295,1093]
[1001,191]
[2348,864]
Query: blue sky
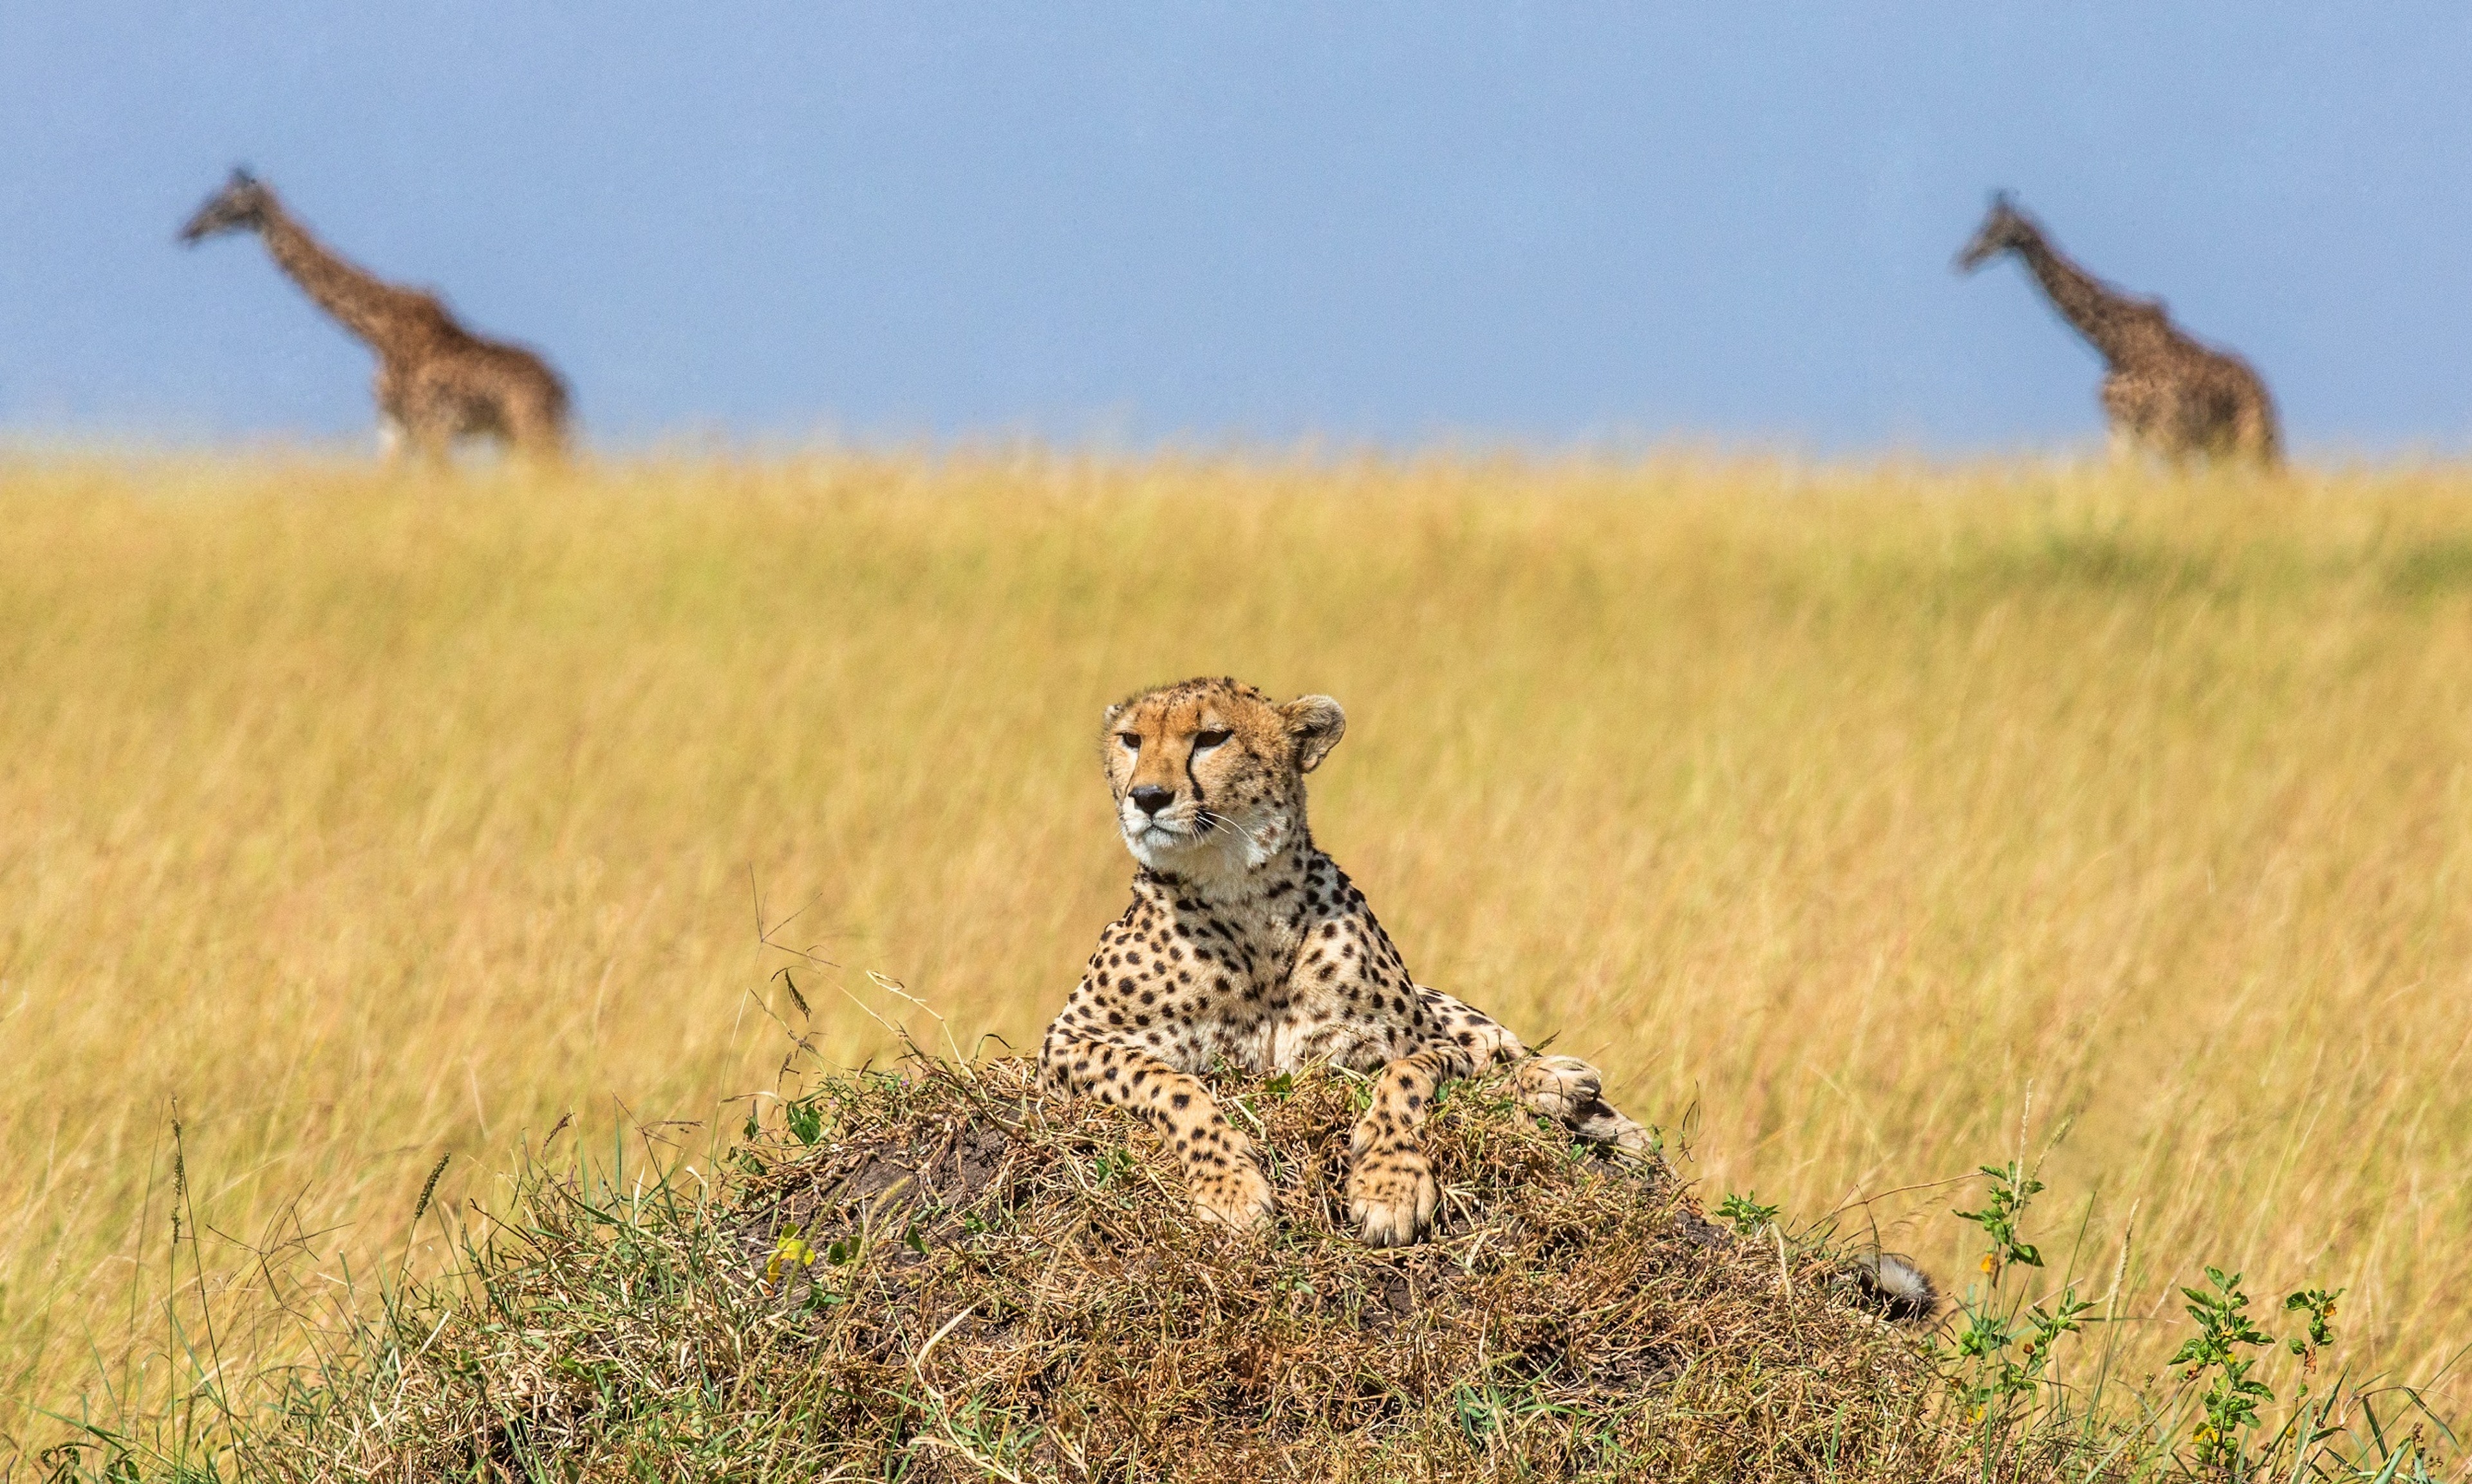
[1253,222]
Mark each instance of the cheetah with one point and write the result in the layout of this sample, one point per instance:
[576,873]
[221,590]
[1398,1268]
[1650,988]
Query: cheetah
[1247,946]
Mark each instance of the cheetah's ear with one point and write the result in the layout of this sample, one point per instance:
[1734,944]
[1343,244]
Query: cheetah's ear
[1316,723]
[1109,715]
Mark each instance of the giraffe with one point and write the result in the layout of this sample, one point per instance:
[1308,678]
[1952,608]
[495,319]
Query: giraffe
[2164,390]
[436,381]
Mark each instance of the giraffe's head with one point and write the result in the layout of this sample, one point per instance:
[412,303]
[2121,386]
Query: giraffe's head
[238,207]
[2005,229]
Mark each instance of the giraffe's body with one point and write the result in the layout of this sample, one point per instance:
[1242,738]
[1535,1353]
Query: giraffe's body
[2164,392]
[436,381]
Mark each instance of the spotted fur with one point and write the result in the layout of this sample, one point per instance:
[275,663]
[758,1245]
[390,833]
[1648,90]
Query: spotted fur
[1245,945]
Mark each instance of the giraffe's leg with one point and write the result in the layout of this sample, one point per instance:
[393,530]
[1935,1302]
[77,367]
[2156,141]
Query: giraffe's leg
[429,427]
[1561,1088]
[1226,1186]
[534,430]
[1391,1194]
[2121,412]
[434,445]
[2196,426]
[2254,433]
[2146,418]
[392,435]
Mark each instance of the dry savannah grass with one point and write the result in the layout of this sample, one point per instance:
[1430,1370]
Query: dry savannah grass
[1865,823]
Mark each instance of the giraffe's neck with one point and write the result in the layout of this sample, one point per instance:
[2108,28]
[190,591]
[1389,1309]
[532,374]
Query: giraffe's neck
[374,311]
[2111,322]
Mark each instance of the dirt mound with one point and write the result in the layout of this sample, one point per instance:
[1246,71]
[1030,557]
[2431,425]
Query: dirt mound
[934,1274]
[1002,1284]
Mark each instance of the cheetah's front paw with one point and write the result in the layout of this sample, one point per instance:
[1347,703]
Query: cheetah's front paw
[1236,1197]
[1561,1088]
[1572,1093]
[1391,1196]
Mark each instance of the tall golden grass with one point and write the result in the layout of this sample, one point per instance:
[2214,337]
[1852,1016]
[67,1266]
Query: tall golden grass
[1866,824]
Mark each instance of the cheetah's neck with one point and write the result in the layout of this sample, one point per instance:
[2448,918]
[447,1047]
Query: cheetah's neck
[1243,887]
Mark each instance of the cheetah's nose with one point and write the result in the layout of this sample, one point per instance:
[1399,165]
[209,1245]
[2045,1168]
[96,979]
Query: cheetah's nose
[1150,798]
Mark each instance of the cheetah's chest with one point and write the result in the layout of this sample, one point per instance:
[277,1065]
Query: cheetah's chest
[1257,995]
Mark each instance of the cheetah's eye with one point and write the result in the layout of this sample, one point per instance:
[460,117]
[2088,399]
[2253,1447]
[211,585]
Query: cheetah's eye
[1133,740]
[1203,742]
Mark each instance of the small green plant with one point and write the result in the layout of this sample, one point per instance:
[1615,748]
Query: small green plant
[2043,1328]
[2232,1394]
[1988,1336]
[2003,1348]
[1986,1340]
[1746,1212]
[2317,1306]
[2012,1191]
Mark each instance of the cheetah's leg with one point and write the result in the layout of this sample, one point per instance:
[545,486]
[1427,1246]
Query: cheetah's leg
[1391,1190]
[1485,1040]
[1226,1186]
[1561,1088]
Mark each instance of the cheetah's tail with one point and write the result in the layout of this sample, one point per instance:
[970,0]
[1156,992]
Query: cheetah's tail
[1893,1284]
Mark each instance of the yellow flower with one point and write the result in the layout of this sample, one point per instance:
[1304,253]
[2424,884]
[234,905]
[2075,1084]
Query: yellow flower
[790,1249]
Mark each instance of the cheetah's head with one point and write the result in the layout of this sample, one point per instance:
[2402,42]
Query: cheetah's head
[1209,775]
